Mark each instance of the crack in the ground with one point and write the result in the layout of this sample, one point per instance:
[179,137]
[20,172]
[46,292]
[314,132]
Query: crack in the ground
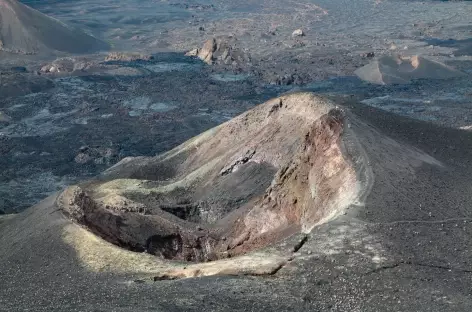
[300,244]
[412,263]
[272,272]
[295,249]
[420,221]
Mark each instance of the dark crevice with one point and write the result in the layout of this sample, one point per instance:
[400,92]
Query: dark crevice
[411,263]
[188,212]
[300,244]
[165,246]
[441,267]
[270,273]
[165,277]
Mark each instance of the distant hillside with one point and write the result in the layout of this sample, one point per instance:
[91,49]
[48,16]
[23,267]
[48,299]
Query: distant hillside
[27,31]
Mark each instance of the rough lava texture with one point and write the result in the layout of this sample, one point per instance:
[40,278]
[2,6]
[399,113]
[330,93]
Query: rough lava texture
[17,84]
[24,30]
[127,57]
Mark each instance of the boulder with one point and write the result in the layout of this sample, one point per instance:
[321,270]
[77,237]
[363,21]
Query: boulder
[298,33]
[222,50]
[206,53]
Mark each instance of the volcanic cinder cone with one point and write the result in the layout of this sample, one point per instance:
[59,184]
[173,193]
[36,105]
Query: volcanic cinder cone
[273,171]
[27,31]
[399,70]
[279,169]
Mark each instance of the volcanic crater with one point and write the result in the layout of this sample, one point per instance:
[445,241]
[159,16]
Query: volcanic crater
[276,170]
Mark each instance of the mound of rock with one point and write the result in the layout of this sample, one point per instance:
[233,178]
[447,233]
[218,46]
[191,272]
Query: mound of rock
[238,187]
[26,31]
[96,155]
[128,57]
[67,65]
[221,50]
[400,70]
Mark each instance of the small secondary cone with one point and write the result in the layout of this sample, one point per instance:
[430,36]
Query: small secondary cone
[400,70]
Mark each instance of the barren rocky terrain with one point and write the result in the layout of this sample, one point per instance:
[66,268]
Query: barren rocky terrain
[214,155]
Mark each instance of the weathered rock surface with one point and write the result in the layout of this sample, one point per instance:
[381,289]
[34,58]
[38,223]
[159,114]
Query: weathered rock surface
[298,33]
[221,50]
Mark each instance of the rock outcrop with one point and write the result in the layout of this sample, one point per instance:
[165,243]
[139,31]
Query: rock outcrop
[221,50]
[128,57]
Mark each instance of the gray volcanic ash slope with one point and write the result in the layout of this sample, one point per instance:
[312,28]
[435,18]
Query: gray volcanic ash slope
[27,31]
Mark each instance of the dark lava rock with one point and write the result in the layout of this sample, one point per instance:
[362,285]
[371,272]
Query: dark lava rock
[287,80]
[19,69]
[368,55]
[128,57]
[96,155]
